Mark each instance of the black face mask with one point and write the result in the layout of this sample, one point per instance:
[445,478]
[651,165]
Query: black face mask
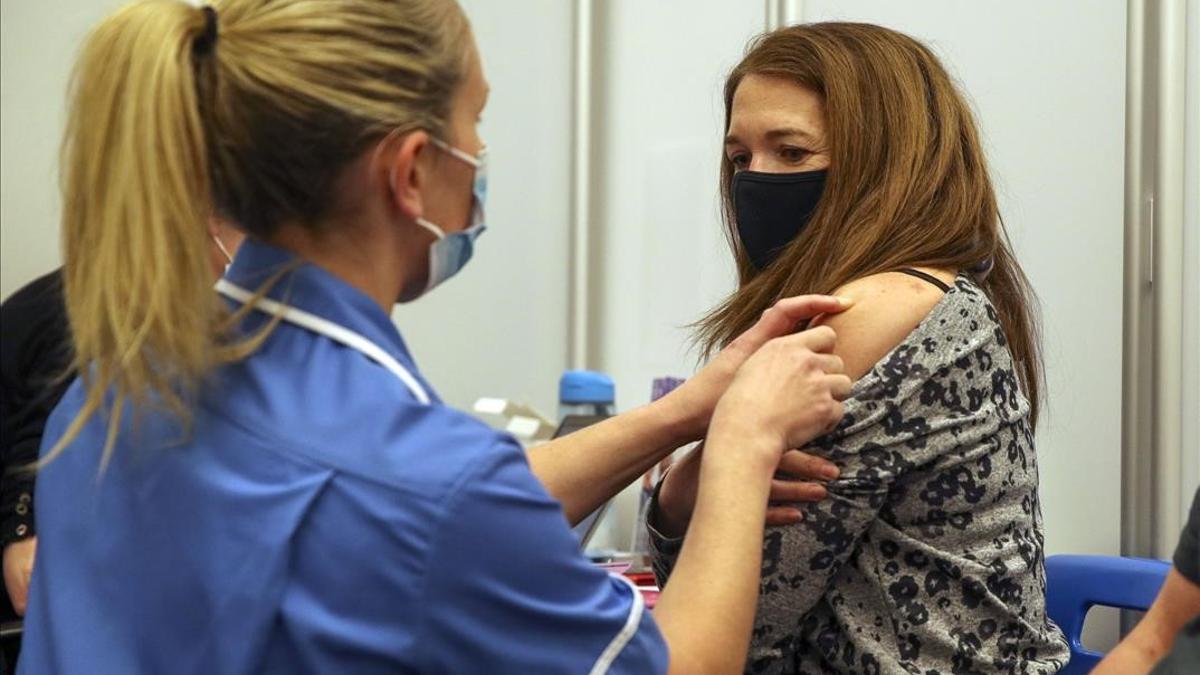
[772,209]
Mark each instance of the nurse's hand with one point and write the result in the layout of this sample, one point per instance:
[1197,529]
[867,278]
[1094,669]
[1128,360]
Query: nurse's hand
[697,398]
[786,394]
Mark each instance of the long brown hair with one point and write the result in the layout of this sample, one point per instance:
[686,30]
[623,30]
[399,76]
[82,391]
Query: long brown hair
[250,108]
[907,184]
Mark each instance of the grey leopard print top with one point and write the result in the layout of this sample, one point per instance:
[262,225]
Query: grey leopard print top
[927,556]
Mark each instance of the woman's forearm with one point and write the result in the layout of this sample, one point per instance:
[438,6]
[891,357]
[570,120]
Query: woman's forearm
[587,468]
[707,611]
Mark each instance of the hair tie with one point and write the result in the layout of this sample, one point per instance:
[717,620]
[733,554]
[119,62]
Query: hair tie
[982,268]
[206,41]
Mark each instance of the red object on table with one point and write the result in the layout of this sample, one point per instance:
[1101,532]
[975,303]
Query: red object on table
[647,585]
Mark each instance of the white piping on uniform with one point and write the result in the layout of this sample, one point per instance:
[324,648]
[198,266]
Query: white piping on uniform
[622,638]
[329,329]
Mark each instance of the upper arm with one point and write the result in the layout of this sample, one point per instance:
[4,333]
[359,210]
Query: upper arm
[801,561]
[887,307]
[509,590]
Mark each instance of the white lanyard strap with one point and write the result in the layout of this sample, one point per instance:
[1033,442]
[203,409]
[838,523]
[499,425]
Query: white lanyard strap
[329,329]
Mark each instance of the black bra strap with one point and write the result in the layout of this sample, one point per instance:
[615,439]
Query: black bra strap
[925,277]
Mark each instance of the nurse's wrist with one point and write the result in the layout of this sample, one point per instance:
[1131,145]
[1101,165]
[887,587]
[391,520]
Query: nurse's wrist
[684,419]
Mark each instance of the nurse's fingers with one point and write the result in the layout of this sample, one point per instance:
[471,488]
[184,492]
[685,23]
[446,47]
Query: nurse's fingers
[784,316]
[829,363]
[821,339]
[840,387]
[805,307]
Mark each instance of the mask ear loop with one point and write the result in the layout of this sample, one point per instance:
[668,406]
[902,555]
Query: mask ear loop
[224,251]
[433,229]
[459,154]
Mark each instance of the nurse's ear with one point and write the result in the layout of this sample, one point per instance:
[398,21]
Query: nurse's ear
[406,166]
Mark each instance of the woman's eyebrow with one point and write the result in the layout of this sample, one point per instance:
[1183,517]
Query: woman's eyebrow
[788,131]
[774,134]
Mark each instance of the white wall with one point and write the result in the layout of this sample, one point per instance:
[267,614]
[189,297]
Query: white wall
[1190,475]
[499,328]
[38,40]
[659,253]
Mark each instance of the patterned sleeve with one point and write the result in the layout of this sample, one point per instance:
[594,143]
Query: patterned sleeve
[883,438]
[799,561]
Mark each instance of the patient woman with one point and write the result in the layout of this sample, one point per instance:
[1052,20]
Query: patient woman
[852,165]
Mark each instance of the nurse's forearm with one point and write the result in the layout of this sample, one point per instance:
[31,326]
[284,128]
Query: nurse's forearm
[706,612]
[587,468]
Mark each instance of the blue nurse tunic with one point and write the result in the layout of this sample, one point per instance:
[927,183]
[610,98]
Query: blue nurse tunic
[324,513]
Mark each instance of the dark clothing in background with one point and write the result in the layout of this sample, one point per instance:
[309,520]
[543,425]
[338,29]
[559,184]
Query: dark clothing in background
[1187,554]
[35,353]
[1184,657]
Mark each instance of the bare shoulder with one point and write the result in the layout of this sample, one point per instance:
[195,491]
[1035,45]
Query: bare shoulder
[887,307]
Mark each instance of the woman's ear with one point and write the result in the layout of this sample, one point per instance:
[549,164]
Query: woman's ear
[407,173]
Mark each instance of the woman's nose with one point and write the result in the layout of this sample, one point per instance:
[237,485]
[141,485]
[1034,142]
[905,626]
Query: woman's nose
[761,162]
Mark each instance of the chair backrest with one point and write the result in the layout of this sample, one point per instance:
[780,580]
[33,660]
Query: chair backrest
[1076,583]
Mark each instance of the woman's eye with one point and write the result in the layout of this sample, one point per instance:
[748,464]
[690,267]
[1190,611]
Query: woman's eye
[739,160]
[793,155]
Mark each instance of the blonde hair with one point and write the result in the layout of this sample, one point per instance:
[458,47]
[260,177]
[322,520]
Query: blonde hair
[250,110]
[908,184]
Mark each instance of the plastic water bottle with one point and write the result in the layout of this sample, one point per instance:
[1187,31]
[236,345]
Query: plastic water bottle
[585,392]
[583,396]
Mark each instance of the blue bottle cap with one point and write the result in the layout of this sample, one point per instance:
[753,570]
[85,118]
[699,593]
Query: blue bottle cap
[585,386]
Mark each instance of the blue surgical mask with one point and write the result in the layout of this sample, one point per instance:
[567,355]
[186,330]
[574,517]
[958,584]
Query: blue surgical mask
[449,253]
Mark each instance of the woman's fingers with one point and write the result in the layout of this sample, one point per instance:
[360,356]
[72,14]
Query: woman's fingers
[804,466]
[778,516]
[785,491]
[820,340]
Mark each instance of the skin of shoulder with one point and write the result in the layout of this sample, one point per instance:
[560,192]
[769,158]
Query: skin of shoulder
[887,307]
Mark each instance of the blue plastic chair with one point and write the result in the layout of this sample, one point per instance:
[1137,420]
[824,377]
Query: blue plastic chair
[1075,583]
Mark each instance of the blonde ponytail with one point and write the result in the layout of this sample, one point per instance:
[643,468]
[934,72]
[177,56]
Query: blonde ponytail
[250,110]
[135,203]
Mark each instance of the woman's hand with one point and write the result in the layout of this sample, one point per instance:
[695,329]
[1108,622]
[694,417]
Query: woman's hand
[798,479]
[697,398]
[18,569]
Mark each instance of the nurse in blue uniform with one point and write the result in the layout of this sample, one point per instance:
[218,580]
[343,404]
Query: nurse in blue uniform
[260,479]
